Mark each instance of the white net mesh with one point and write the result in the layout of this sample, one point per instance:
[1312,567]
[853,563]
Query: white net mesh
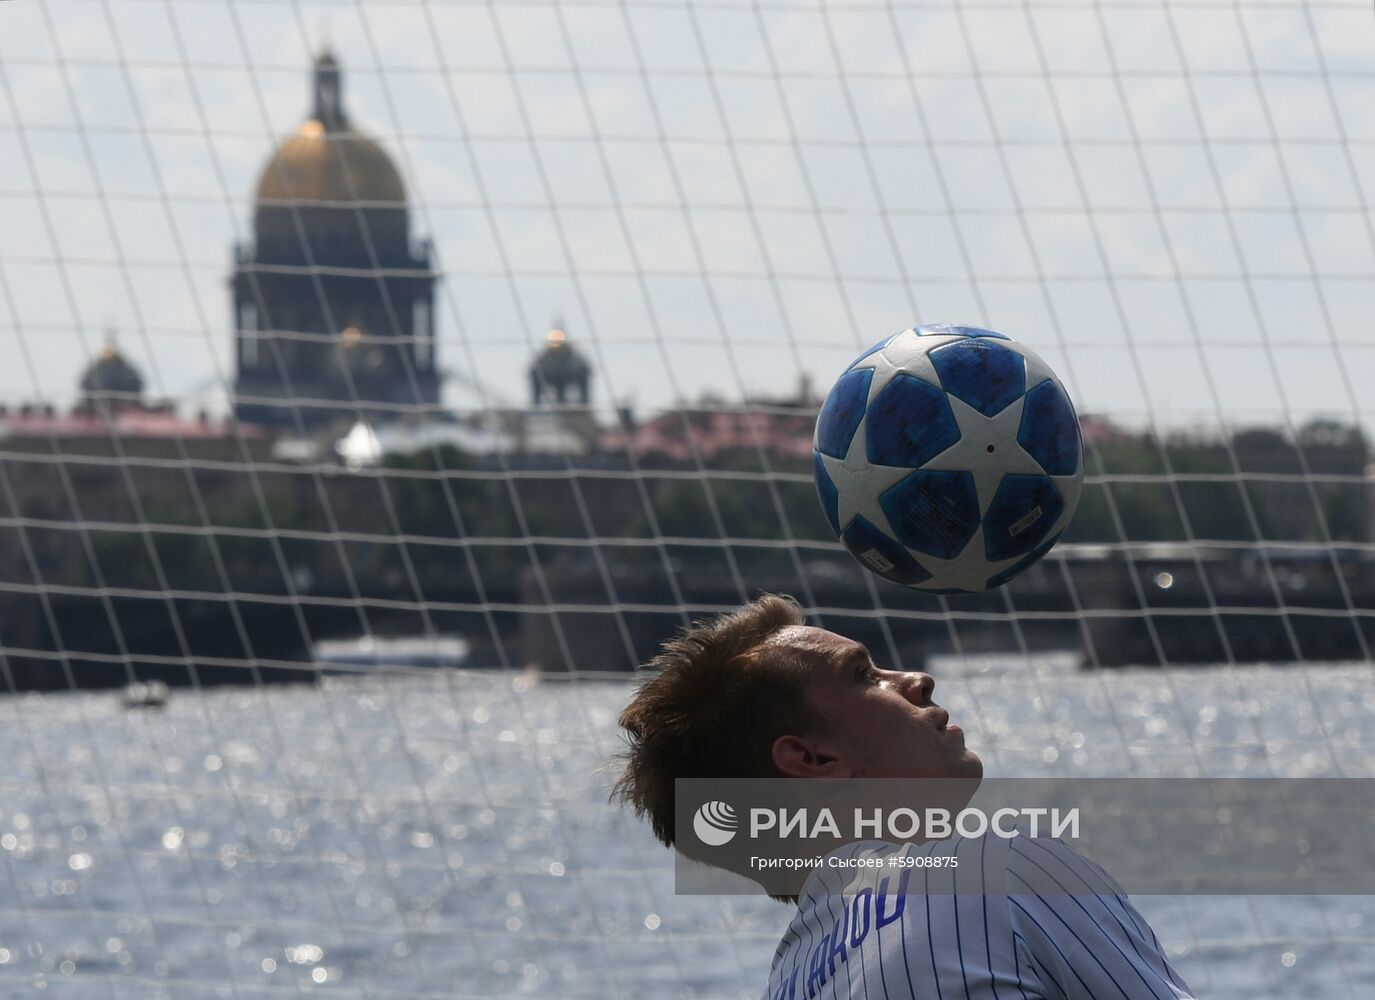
[366,455]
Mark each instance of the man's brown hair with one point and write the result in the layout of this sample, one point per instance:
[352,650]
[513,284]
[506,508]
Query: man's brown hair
[719,699]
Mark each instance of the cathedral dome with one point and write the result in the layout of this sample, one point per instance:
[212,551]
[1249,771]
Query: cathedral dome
[111,373]
[326,160]
[560,371]
[316,165]
[560,361]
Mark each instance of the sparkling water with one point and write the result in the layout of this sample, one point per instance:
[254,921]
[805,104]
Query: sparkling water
[450,835]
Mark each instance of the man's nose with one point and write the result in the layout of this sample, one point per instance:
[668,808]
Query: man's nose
[919,687]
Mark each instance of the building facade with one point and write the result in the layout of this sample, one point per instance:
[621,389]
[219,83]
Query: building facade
[333,303]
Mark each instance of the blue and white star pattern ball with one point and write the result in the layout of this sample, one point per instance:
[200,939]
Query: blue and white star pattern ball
[948,458]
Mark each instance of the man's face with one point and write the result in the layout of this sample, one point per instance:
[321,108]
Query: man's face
[877,723]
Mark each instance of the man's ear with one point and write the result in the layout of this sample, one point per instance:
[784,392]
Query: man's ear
[796,757]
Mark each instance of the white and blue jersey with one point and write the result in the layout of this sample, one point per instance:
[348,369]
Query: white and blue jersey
[857,934]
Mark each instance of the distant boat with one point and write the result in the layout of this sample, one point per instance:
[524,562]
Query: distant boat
[369,652]
[146,694]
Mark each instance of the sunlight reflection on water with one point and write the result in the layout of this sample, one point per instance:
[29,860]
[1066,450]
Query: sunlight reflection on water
[449,835]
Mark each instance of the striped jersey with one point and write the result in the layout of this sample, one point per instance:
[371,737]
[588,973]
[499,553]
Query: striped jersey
[999,934]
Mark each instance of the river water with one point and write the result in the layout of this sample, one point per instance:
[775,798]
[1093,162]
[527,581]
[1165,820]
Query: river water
[448,835]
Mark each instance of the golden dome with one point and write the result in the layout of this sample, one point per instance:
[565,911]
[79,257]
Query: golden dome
[315,165]
[326,160]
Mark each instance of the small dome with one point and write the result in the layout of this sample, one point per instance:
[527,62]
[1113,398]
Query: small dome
[560,371]
[326,160]
[560,361]
[111,373]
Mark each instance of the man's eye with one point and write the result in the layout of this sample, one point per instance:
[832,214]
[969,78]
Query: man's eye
[867,673]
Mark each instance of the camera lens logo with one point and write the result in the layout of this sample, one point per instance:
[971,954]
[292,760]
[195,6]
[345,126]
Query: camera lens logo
[714,824]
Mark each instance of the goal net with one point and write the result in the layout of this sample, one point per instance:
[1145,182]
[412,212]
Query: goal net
[381,382]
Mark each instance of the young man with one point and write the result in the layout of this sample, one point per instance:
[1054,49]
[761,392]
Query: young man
[759,694]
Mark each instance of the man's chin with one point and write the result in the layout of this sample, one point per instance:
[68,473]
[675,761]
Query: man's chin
[971,763]
[966,765]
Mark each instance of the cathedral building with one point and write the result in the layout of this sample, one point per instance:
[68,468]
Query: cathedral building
[333,303]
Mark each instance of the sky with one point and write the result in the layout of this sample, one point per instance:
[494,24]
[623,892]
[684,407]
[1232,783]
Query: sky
[1169,201]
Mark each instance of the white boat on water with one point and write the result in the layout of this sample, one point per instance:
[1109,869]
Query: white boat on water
[371,652]
[146,694]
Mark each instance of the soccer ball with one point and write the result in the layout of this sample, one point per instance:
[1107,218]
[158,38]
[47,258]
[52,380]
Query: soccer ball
[948,458]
